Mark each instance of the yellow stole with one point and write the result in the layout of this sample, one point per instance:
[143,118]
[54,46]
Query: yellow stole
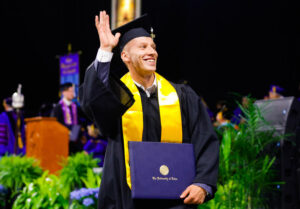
[170,116]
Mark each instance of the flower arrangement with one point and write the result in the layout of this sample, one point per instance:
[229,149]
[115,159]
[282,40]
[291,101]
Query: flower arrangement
[84,198]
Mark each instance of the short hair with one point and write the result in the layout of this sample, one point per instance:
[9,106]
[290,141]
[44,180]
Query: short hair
[8,101]
[65,86]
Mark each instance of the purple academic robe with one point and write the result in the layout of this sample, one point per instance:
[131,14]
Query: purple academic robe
[7,135]
[97,148]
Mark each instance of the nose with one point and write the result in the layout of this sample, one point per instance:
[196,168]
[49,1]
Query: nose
[151,50]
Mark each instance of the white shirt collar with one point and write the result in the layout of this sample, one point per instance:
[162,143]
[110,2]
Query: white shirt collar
[67,102]
[150,89]
[9,109]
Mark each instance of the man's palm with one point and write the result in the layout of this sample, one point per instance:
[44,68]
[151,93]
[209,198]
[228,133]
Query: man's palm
[107,40]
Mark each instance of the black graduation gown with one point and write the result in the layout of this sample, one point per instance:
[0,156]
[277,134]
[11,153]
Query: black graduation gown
[105,105]
[57,112]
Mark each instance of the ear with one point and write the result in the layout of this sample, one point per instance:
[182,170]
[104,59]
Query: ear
[125,56]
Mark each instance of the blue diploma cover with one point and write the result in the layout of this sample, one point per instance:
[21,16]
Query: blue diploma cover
[160,170]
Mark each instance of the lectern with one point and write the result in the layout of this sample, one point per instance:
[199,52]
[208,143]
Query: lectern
[48,141]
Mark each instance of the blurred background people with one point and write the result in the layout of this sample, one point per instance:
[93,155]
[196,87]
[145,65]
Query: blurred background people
[221,114]
[96,144]
[238,114]
[69,114]
[275,92]
[8,130]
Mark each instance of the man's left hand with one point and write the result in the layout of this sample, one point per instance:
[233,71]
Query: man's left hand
[193,194]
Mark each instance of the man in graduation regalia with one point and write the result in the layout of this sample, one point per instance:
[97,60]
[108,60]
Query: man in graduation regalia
[96,144]
[8,125]
[143,106]
[66,110]
[68,114]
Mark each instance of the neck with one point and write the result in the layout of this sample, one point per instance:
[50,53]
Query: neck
[68,102]
[144,80]
[7,109]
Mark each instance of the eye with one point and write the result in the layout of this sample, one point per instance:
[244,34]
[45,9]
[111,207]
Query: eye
[143,46]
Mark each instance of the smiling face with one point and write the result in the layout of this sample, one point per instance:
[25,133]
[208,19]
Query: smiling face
[140,56]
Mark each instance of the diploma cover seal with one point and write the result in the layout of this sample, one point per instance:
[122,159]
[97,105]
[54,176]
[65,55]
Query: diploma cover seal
[164,170]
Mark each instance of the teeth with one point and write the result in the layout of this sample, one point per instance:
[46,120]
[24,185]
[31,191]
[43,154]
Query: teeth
[150,60]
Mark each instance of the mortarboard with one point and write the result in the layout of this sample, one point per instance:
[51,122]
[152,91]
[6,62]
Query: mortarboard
[139,27]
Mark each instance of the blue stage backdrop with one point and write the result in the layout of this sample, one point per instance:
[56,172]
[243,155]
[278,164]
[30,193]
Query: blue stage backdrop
[69,70]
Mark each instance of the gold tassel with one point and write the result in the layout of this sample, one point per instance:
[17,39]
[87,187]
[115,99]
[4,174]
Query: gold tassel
[152,34]
[20,143]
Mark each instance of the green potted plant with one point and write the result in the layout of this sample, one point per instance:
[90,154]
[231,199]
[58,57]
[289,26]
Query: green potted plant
[75,171]
[42,193]
[245,169]
[15,172]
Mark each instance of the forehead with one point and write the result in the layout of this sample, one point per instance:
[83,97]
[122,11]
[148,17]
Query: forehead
[140,40]
[68,89]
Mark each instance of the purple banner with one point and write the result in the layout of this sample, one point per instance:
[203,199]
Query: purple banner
[69,70]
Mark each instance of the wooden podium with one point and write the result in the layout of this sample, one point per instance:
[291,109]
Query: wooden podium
[48,141]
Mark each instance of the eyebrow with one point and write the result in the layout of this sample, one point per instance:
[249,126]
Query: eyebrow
[152,44]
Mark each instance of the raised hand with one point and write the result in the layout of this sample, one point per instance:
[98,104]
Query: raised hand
[107,40]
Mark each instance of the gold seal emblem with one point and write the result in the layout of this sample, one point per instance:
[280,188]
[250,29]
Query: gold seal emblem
[164,170]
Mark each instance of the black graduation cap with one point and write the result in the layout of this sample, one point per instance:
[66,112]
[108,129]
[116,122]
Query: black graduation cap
[139,27]
[65,86]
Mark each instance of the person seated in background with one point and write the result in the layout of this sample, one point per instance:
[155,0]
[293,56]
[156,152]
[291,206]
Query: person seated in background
[238,114]
[222,114]
[96,144]
[275,92]
[69,114]
[8,126]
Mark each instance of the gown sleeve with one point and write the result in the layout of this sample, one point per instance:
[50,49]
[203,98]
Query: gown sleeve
[103,100]
[204,139]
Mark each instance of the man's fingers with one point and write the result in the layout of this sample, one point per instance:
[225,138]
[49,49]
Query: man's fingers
[100,17]
[107,22]
[105,16]
[102,23]
[192,198]
[96,21]
[196,195]
[189,200]
[185,192]
[107,39]
[117,36]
